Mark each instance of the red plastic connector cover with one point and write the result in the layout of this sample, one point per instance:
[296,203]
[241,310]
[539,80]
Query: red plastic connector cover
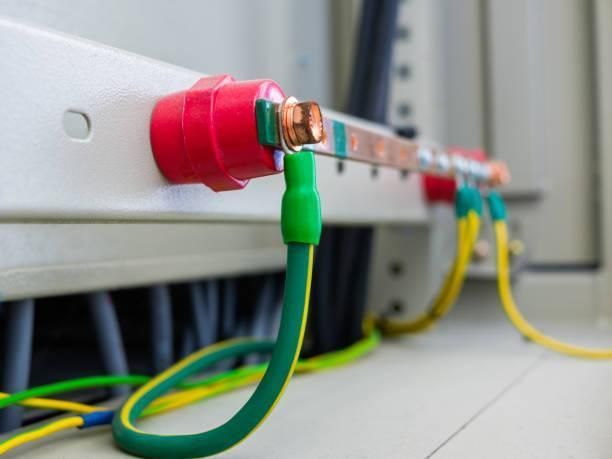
[441,189]
[208,133]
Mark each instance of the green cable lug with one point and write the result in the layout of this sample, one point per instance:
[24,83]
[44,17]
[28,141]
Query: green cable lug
[463,201]
[301,208]
[497,208]
[265,116]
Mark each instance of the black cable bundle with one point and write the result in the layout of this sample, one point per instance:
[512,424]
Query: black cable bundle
[16,352]
[343,257]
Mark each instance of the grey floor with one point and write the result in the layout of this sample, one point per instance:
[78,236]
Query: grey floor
[471,388]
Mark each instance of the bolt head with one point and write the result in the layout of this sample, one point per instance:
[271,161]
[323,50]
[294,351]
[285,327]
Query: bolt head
[307,123]
[482,249]
[500,175]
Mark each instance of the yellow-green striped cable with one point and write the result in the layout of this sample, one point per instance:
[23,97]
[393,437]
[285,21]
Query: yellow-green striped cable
[468,228]
[301,228]
[42,432]
[220,384]
[498,215]
[56,405]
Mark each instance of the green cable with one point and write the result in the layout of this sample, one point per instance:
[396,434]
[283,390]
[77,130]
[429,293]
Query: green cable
[231,379]
[301,228]
[342,356]
[72,385]
[91,382]
[317,363]
[331,359]
[256,408]
[229,374]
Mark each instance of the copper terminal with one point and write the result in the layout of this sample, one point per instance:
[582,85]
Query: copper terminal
[301,122]
[499,173]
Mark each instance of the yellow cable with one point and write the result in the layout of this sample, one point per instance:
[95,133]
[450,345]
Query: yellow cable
[183,398]
[37,434]
[312,364]
[59,405]
[515,316]
[426,319]
[467,234]
[472,233]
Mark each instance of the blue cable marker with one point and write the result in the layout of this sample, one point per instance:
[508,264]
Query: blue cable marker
[97,418]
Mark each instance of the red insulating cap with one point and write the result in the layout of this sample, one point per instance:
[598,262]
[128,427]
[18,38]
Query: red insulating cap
[442,189]
[208,133]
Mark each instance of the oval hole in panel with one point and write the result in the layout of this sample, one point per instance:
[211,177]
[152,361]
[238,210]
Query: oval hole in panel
[77,125]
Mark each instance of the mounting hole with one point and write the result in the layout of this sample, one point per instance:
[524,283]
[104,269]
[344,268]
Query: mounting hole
[396,307]
[404,109]
[404,71]
[396,268]
[77,125]
[340,167]
[402,32]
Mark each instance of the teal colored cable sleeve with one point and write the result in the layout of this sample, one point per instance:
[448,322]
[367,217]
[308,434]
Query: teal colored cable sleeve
[463,201]
[339,130]
[265,116]
[476,200]
[267,393]
[497,208]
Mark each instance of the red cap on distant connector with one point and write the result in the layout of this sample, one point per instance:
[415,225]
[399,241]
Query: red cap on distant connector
[208,133]
[442,189]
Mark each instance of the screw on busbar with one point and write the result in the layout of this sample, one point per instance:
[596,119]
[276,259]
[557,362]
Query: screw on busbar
[301,123]
[499,173]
